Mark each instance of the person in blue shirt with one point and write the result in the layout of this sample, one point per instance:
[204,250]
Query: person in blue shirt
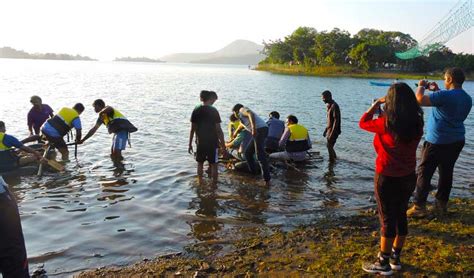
[9,160]
[58,126]
[275,131]
[444,138]
[258,129]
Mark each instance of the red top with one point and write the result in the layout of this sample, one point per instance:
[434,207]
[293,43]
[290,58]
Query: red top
[393,159]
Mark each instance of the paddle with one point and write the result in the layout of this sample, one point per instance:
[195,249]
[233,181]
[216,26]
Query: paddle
[52,163]
[40,168]
[56,165]
[75,151]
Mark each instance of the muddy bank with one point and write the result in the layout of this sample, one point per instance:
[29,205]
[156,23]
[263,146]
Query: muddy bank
[440,245]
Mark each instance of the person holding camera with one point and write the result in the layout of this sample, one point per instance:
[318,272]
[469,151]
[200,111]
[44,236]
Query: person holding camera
[398,130]
[444,138]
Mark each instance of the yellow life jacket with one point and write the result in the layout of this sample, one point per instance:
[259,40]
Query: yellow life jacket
[62,121]
[8,160]
[233,126]
[116,115]
[3,147]
[298,141]
[68,115]
[117,122]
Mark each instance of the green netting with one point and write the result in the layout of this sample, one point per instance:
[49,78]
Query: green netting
[418,51]
[459,19]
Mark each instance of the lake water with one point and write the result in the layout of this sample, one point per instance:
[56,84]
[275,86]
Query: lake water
[94,215]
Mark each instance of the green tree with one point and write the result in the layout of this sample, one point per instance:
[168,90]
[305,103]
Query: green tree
[278,52]
[302,43]
[360,55]
[332,48]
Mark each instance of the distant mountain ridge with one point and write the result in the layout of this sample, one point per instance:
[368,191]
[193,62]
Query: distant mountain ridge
[238,52]
[138,59]
[8,52]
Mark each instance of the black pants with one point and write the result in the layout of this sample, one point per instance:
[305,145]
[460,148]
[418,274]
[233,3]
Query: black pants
[13,259]
[393,194]
[259,147]
[435,156]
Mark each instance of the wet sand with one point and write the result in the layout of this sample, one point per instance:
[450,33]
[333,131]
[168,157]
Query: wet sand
[438,245]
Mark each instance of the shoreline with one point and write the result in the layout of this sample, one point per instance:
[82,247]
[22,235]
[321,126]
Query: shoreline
[345,71]
[440,245]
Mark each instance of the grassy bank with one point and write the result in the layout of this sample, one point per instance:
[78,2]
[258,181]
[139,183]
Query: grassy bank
[437,246]
[341,71]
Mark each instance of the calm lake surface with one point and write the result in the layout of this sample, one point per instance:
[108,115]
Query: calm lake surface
[94,215]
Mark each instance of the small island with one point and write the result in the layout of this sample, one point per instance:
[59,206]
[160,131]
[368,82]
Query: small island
[370,53]
[138,59]
[11,53]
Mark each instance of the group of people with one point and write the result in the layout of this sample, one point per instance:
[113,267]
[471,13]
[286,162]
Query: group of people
[396,119]
[50,128]
[398,130]
[251,137]
[44,125]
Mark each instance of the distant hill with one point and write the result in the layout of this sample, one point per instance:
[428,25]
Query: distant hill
[238,52]
[8,52]
[138,59]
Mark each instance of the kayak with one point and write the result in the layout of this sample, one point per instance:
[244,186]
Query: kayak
[380,84]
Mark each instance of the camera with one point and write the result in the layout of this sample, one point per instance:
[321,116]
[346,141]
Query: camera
[379,110]
[427,85]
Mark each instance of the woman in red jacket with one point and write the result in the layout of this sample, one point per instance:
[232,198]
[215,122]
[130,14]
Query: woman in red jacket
[398,131]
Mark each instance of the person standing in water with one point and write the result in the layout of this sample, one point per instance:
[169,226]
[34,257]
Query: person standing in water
[116,123]
[333,128]
[58,126]
[206,124]
[38,114]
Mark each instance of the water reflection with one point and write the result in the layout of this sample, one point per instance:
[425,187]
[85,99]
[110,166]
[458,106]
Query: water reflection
[251,203]
[205,226]
[331,199]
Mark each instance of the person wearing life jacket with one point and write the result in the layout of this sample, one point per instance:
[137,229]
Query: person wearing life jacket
[9,160]
[116,123]
[233,124]
[295,140]
[58,126]
[13,257]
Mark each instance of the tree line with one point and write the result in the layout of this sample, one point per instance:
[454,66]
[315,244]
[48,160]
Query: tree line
[368,50]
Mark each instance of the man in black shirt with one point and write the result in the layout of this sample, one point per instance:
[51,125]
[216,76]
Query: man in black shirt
[333,128]
[205,122]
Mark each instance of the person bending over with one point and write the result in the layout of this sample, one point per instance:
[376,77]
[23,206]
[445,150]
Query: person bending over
[9,159]
[259,131]
[58,126]
[116,124]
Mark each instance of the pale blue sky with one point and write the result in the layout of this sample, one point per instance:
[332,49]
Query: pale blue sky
[106,29]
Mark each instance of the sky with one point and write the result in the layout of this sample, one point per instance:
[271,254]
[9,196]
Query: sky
[105,29]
